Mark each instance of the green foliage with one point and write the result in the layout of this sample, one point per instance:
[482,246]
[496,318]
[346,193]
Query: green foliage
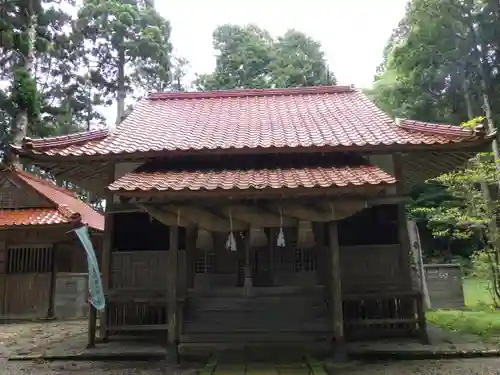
[466,210]
[248,57]
[25,94]
[485,324]
[52,97]
[432,72]
[119,35]
[477,290]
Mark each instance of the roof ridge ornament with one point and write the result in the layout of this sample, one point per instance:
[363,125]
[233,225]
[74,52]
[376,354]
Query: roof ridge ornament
[27,143]
[480,129]
[399,120]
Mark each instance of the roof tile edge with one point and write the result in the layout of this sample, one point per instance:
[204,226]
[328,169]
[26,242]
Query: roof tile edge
[240,93]
[65,140]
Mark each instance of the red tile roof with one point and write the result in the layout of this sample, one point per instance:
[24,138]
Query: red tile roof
[324,116]
[252,179]
[31,216]
[66,204]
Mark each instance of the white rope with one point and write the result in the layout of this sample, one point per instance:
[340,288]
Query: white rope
[280,242]
[231,241]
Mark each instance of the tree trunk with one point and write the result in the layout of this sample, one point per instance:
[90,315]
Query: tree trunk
[479,49]
[480,54]
[20,128]
[121,95]
[465,88]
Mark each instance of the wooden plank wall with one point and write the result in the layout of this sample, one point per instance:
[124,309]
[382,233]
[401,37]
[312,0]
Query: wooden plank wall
[375,268]
[25,274]
[27,295]
[139,285]
[270,313]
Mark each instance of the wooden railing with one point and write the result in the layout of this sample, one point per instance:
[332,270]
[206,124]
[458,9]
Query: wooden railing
[137,298]
[380,315]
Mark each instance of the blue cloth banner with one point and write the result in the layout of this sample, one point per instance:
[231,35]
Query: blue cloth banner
[97,298]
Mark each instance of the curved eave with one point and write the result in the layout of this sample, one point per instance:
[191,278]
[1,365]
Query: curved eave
[477,142]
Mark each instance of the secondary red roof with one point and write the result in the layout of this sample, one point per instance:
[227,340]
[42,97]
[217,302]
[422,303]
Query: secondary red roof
[65,202]
[31,216]
[324,116]
[253,179]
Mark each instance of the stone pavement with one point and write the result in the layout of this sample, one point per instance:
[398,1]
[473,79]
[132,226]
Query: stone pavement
[26,338]
[443,343]
[308,367]
[479,366]
[68,340]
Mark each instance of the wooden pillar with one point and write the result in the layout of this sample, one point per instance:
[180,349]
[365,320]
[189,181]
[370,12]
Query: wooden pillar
[92,327]
[271,242]
[106,259]
[3,276]
[404,240]
[52,285]
[248,281]
[404,236]
[406,250]
[336,288]
[172,287]
[191,237]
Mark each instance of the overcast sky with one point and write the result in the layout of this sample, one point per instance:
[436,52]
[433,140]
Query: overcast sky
[353,33]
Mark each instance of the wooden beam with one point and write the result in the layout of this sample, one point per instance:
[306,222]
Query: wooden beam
[341,210]
[207,220]
[336,287]
[166,217]
[301,212]
[256,217]
[120,208]
[270,193]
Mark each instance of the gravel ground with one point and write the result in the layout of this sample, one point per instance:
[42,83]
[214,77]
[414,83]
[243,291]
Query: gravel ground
[482,366]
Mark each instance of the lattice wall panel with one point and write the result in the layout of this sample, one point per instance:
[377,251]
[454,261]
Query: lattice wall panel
[29,259]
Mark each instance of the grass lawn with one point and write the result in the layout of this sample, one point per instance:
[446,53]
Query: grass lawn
[482,319]
[476,293]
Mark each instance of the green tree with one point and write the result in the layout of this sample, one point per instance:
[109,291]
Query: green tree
[41,84]
[248,57]
[19,38]
[179,70]
[243,59]
[470,212]
[440,66]
[299,61]
[126,45]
